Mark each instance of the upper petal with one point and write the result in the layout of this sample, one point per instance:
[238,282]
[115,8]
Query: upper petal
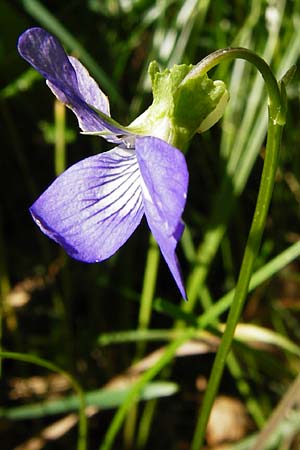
[67,78]
[88,87]
[164,186]
[94,206]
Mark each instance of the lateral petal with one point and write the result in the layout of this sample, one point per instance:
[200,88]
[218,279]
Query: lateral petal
[94,206]
[164,185]
[67,78]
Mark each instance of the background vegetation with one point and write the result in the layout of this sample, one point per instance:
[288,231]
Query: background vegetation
[101,323]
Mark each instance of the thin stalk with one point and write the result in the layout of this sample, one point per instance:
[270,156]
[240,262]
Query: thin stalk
[277,110]
[252,247]
[82,433]
[149,283]
[148,290]
[60,138]
[129,427]
[145,423]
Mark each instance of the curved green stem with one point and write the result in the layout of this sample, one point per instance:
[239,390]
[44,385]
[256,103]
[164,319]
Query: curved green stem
[82,436]
[277,110]
[228,54]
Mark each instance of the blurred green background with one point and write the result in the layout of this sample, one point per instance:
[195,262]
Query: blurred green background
[58,308]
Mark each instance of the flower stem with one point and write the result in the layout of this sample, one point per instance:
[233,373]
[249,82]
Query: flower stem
[148,289]
[228,54]
[277,110]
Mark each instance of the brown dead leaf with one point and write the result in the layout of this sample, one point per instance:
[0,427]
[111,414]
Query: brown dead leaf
[51,385]
[20,294]
[54,431]
[228,421]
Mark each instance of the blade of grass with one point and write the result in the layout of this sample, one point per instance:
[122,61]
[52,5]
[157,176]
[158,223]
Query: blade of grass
[145,424]
[101,398]
[244,333]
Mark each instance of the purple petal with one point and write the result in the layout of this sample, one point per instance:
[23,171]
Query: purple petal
[164,186]
[67,78]
[88,88]
[94,206]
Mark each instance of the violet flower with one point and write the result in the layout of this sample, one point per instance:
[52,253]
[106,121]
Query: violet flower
[95,205]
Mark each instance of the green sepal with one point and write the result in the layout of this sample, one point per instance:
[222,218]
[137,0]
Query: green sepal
[182,105]
[199,103]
